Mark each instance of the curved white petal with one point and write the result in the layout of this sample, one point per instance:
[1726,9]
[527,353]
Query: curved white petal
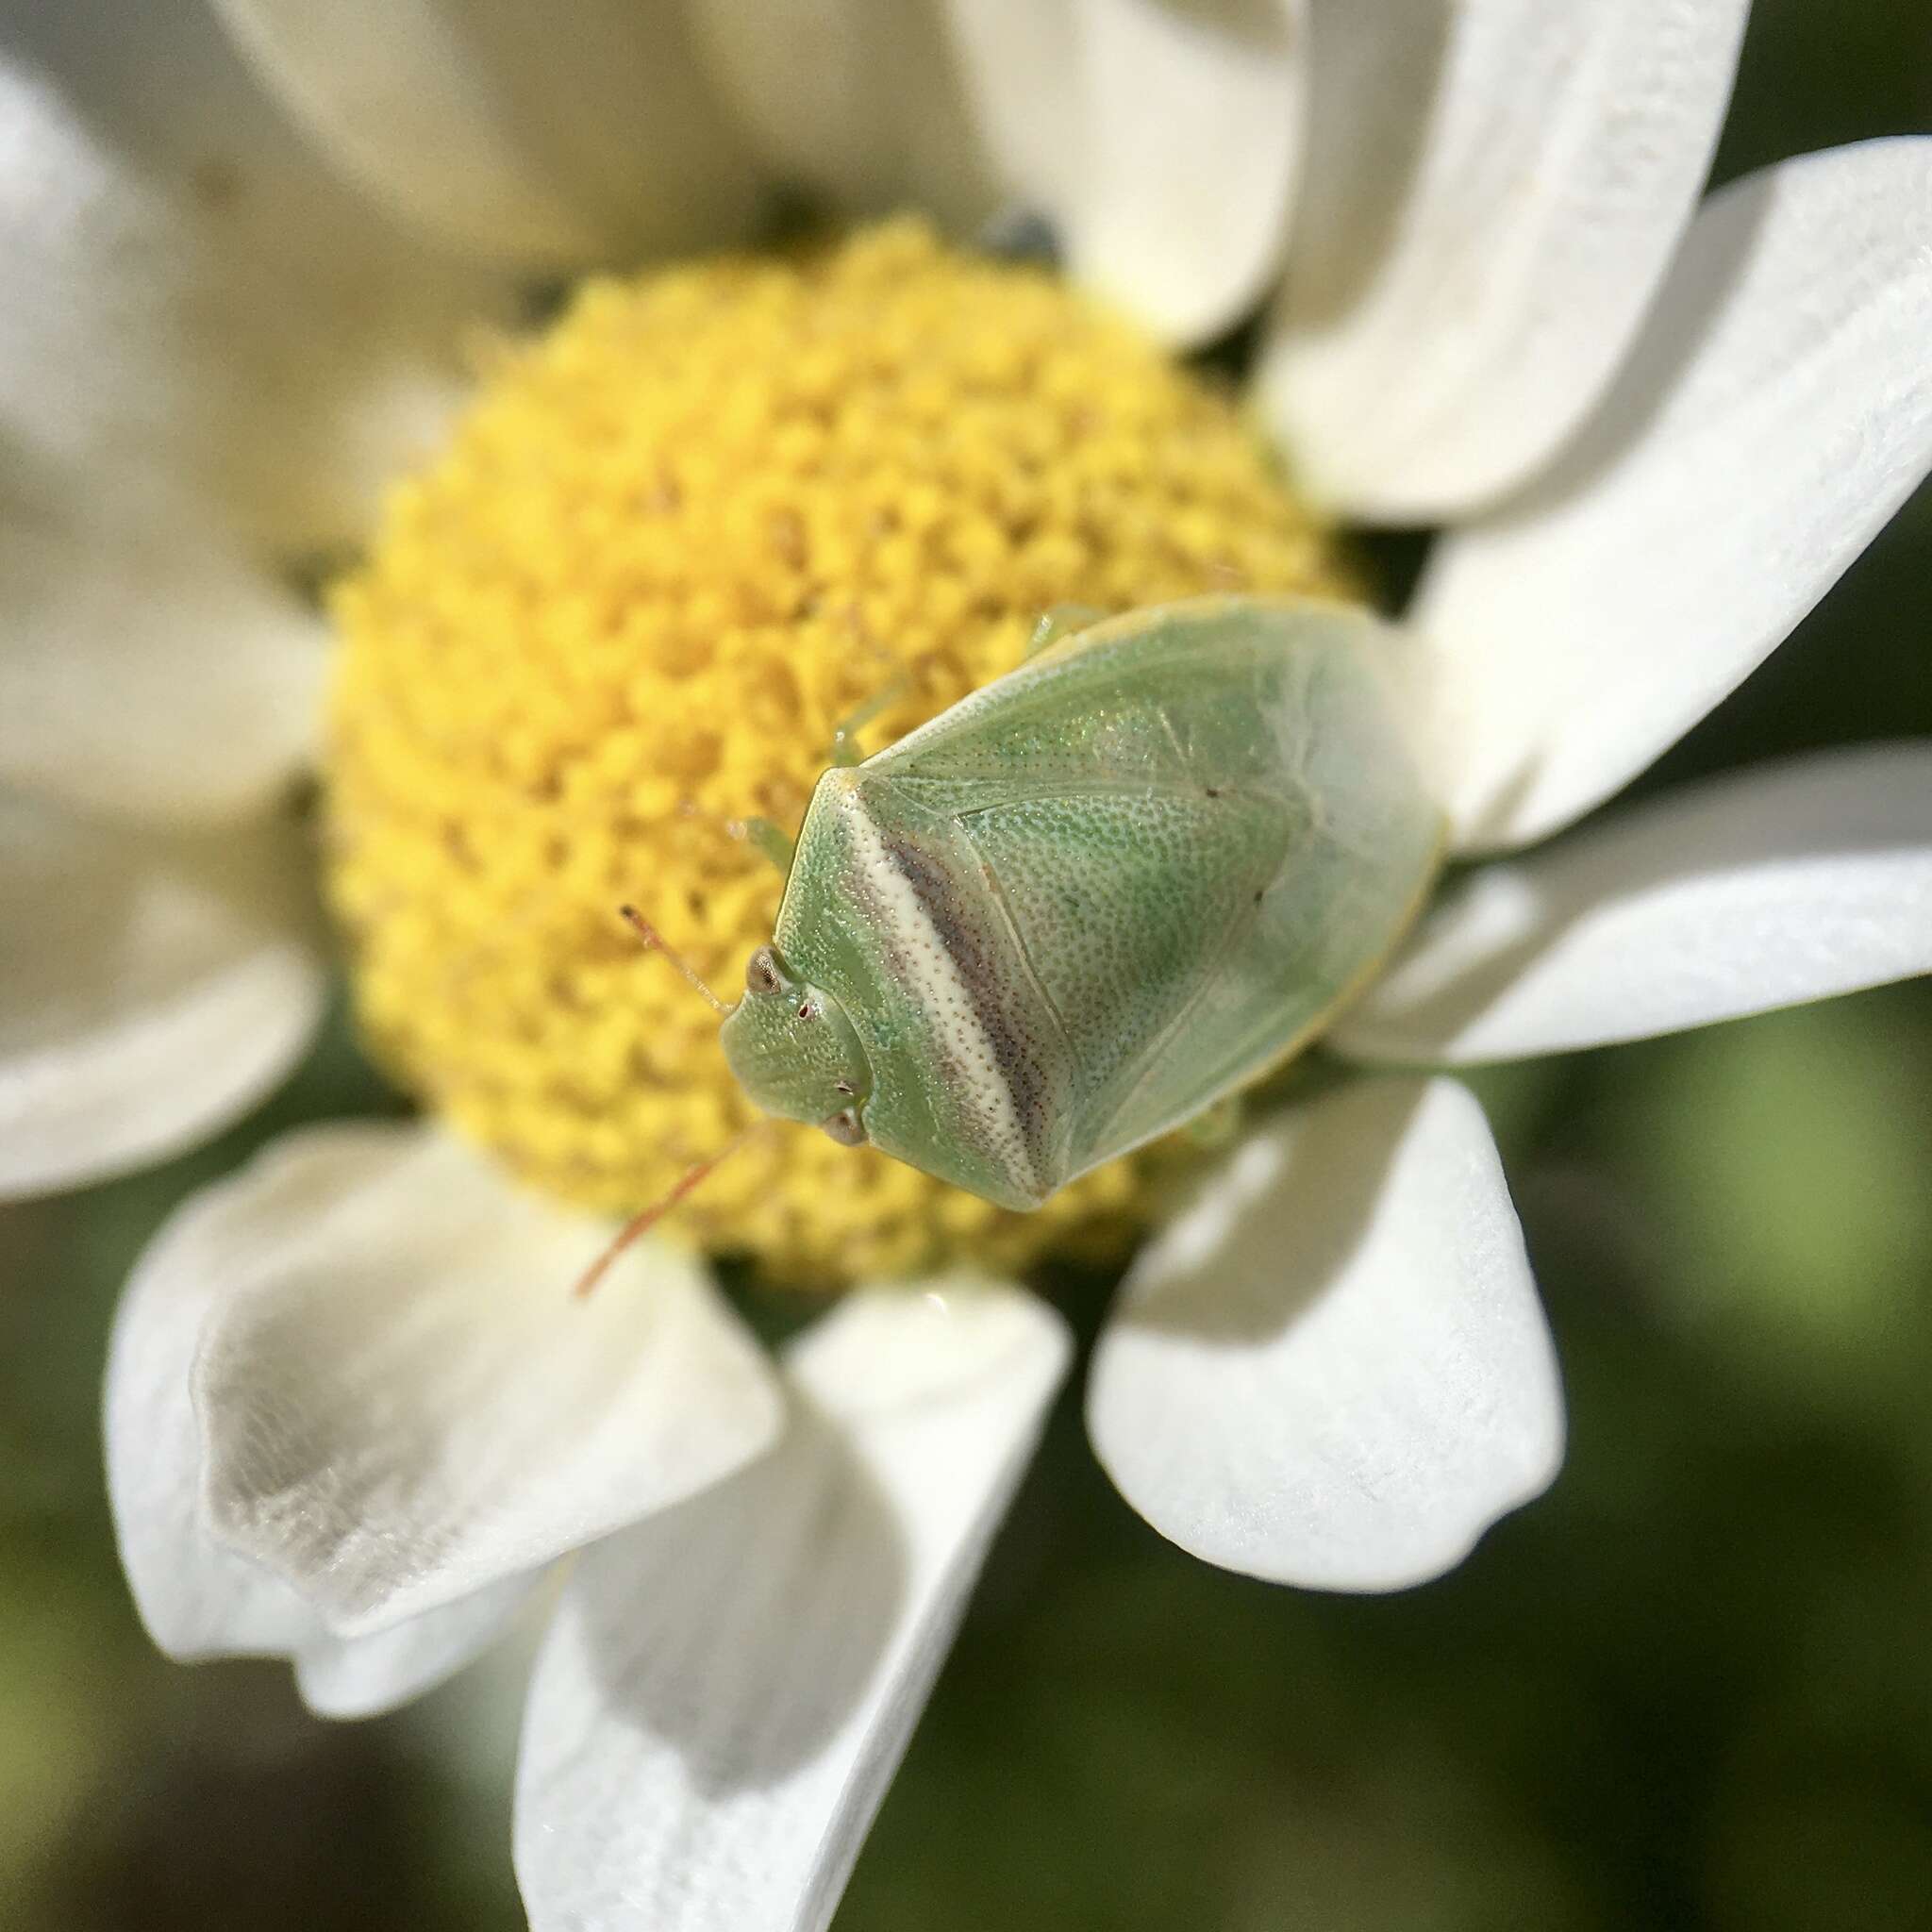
[1163,139]
[1333,1370]
[151,990]
[150,671]
[1761,890]
[401,1401]
[857,100]
[196,1598]
[1492,194]
[189,299]
[729,1688]
[1777,411]
[530,134]
[365,1677]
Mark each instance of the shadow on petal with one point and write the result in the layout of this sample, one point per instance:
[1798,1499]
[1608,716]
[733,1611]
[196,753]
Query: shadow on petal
[1768,887]
[1346,226]
[1288,1215]
[1701,289]
[1348,1376]
[743,1627]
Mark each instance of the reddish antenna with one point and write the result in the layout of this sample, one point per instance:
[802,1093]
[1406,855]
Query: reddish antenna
[654,938]
[640,1224]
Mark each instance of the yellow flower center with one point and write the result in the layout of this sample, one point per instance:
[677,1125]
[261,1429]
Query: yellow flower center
[708,516]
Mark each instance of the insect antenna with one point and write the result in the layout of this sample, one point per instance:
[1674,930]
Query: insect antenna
[640,1224]
[654,938]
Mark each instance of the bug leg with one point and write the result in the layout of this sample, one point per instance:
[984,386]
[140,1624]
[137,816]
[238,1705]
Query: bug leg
[765,838]
[845,748]
[1062,621]
[1216,1124]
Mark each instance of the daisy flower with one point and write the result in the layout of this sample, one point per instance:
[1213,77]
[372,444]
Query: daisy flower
[600,591]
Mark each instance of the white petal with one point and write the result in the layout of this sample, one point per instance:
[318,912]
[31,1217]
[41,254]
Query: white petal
[197,1598]
[527,134]
[151,990]
[1162,139]
[363,1676]
[1777,411]
[856,100]
[1493,192]
[189,296]
[1333,1370]
[403,1402]
[729,1688]
[151,671]
[1761,890]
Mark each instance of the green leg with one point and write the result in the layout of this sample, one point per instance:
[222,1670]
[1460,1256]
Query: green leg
[766,839]
[846,745]
[1216,1125]
[1062,621]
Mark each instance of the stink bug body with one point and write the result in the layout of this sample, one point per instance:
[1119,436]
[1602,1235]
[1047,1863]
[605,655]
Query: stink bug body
[1093,898]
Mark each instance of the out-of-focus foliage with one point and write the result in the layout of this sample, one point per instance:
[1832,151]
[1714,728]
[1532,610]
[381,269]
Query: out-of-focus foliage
[1692,1688]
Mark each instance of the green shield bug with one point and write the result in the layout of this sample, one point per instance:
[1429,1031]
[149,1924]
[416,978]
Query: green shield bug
[1091,899]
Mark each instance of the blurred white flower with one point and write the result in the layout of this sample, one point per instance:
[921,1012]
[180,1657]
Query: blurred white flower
[347,1422]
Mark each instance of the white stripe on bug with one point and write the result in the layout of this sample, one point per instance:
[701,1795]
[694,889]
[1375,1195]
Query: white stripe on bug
[939,988]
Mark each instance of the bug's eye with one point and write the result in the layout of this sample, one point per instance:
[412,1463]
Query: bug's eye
[845,1128]
[761,972]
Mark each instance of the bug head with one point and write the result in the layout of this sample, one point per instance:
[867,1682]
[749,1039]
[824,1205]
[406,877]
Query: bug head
[792,1050]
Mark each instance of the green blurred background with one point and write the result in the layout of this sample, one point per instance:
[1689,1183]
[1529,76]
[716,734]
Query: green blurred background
[1690,1688]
